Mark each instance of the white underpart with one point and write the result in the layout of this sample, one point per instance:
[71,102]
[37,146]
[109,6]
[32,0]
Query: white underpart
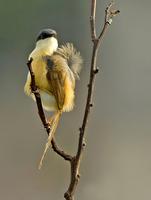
[48,45]
[48,101]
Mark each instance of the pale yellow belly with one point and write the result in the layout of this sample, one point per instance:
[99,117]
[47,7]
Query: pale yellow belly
[48,101]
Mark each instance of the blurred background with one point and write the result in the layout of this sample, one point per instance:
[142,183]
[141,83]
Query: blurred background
[116,164]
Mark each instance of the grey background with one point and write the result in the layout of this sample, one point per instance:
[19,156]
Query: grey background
[117,162]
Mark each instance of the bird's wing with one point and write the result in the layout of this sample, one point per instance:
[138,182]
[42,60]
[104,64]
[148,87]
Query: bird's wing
[56,78]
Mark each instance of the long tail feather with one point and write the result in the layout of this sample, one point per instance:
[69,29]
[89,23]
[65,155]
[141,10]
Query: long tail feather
[51,135]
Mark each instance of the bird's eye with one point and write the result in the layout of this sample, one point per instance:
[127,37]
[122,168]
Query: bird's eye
[45,35]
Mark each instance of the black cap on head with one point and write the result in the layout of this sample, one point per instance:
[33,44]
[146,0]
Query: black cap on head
[46,33]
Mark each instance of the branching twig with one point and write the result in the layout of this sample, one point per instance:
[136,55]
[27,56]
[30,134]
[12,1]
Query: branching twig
[75,160]
[75,164]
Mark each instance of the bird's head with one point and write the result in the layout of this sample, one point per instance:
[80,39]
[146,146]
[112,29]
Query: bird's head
[47,38]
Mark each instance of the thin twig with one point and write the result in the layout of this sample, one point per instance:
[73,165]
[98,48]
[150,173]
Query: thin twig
[92,20]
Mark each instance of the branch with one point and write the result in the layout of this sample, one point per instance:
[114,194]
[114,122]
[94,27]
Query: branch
[46,125]
[109,14]
[75,164]
[92,20]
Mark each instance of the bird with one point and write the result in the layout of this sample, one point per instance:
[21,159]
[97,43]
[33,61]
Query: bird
[56,70]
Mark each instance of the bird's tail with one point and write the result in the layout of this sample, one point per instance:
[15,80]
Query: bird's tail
[50,137]
[72,56]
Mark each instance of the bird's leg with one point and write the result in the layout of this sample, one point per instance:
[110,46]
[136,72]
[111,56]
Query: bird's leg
[49,122]
[51,119]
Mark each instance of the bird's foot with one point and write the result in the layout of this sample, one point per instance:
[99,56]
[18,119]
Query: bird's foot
[51,120]
[47,124]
